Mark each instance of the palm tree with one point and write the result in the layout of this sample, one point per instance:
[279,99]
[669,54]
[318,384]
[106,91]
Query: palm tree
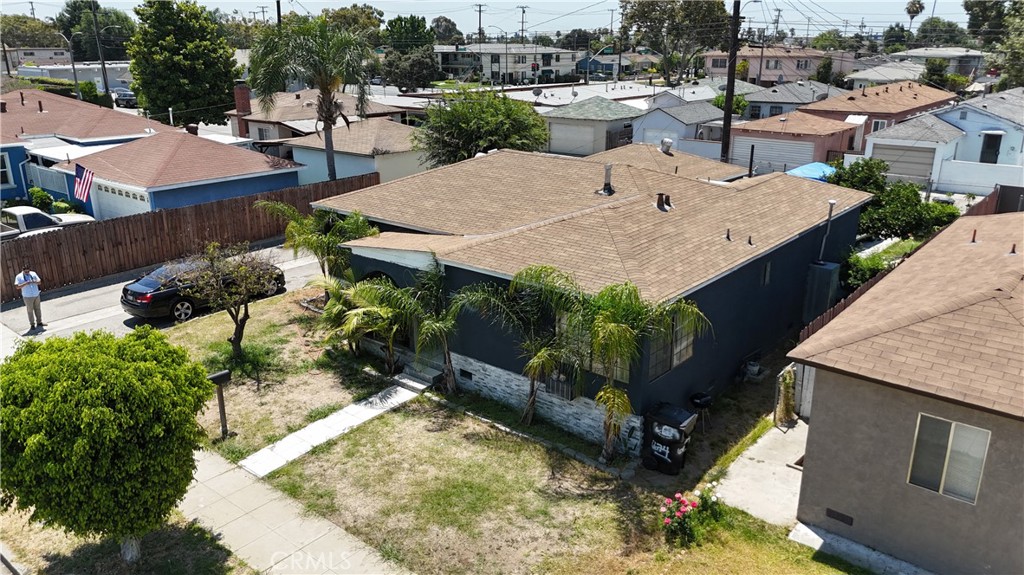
[914,8]
[538,299]
[319,54]
[320,233]
[437,319]
[619,320]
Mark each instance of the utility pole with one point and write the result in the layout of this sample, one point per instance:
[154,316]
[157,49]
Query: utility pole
[32,10]
[278,13]
[730,85]
[480,22]
[99,48]
[253,12]
[846,24]
[778,16]
[263,13]
[808,35]
[861,27]
[522,25]
[760,62]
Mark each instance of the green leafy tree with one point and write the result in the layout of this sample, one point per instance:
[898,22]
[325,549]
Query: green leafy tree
[374,307]
[180,61]
[956,82]
[896,211]
[742,69]
[866,175]
[1012,47]
[413,69]
[229,278]
[408,33]
[934,72]
[577,39]
[361,19]
[320,55]
[829,40]
[69,17]
[476,121]
[445,30]
[20,31]
[914,9]
[97,433]
[985,20]
[938,32]
[544,40]
[116,28]
[676,26]
[739,103]
[896,36]
[823,73]
[320,233]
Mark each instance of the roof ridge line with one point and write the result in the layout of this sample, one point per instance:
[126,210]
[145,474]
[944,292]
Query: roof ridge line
[910,318]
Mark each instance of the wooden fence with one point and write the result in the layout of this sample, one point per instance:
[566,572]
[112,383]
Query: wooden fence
[987,206]
[107,247]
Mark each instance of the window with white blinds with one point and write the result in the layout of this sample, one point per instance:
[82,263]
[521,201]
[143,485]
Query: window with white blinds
[948,457]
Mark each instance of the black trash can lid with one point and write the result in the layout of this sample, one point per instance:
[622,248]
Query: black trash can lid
[672,415]
[701,400]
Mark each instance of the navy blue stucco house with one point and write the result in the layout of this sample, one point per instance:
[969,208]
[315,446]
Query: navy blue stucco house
[751,253]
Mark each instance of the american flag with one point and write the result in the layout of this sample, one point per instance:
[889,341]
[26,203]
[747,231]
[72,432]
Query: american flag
[83,183]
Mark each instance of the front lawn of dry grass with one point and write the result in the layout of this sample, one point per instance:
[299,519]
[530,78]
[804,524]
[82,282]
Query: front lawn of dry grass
[178,548]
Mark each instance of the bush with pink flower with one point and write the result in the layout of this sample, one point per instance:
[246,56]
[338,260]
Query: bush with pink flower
[689,520]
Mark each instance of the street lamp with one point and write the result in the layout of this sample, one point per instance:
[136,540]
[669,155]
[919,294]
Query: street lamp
[71,52]
[590,60]
[99,49]
[504,75]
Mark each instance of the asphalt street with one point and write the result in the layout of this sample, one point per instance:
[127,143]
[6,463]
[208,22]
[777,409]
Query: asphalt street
[96,304]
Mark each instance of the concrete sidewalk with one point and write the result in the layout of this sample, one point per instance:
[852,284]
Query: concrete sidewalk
[762,482]
[270,531]
[9,341]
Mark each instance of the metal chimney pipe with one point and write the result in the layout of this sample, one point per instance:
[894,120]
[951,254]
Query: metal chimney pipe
[828,228]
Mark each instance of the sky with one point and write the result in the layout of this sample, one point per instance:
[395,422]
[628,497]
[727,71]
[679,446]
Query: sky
[547,16]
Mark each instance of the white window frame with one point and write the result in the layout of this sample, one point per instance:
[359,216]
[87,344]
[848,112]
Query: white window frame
[875,124]
[953,426]
[6,171]
[262,133]
[719,62]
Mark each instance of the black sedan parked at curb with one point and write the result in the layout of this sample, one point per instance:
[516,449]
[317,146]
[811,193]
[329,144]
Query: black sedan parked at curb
[162,293]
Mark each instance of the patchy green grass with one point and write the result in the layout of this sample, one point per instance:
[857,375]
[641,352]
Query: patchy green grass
[453,84]
[178,548]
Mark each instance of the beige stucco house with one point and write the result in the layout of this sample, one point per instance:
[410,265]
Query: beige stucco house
[916,444]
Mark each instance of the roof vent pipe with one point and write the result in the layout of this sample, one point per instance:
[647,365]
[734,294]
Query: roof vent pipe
[668,202]
[40,102]
[607,190]
[666,145]
[22,94]
[828,228]
[3,107]
[750,240]
[1013,250]
[728,235]
[974,236]
[660,204]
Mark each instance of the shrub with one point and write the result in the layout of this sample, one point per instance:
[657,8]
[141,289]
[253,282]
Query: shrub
[40,199]
[939,215]
[861,269]
[689,522]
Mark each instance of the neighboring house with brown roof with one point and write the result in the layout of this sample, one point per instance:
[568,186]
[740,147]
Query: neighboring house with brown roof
[745,262]
[175,169]
[784,142]
[884,106]
[293,115]
[916,442]
[653,157]
[33,122]
[374,145]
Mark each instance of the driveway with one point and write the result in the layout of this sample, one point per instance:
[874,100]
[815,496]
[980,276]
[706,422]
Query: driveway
[764,481]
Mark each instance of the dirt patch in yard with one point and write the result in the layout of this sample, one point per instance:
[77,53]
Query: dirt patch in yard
[178,547]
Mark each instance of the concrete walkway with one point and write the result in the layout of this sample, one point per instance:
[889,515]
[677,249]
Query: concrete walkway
[297,444]
[269,530]
[762,482]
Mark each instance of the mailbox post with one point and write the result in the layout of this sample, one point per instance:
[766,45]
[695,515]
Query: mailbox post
[220,378]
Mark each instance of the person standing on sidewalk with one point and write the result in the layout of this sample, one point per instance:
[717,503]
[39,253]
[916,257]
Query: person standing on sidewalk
[28,282]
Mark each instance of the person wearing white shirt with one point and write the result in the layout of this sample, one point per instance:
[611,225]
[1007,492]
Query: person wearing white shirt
[28,282]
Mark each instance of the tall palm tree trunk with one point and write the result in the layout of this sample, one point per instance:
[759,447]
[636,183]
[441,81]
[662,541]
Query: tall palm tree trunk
[332,170]
[531,403]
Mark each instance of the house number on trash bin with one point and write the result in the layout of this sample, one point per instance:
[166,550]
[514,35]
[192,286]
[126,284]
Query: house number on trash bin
[660,450]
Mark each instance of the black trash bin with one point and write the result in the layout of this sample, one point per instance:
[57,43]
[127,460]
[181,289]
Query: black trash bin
[667,430]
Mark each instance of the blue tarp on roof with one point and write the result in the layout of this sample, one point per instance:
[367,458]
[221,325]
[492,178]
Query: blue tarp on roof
[814,171]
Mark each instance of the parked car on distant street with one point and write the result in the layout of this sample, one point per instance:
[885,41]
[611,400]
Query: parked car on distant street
[18,220]
[164,292]
[126,100]
[377,81]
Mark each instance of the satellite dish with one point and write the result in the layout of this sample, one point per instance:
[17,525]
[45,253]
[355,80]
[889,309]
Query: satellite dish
[537,91]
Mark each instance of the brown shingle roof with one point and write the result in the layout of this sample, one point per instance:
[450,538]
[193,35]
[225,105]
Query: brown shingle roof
[650,156]
[948,322]
[67,117]
[175,158]
[370,137]
[301,105]
[887,99]
[795,122]
[600,239]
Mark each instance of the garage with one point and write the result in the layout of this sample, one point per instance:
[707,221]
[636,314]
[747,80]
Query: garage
[654,135]
[771,155]
[906,160]
[571,139]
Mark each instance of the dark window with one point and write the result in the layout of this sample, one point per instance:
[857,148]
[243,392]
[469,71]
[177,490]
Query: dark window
[774,110]
[948,457]
[495,58]
[670,348]
[963,114]
[6,177]
[766,274]
[466,374]
[755,111]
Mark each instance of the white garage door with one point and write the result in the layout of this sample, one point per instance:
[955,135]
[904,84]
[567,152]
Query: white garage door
[771,155]
[654,135]
[906,160]
[572,139]
[113,202]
